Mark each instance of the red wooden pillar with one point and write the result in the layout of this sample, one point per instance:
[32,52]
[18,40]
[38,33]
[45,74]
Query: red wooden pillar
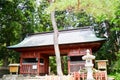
[48,67]
[68,64]
[46,64]
[21,64]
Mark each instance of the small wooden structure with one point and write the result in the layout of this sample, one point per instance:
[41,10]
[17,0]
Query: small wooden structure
[14,68]
[102,65]
[36,48]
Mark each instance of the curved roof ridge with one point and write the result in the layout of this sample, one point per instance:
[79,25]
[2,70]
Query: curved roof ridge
[80,28]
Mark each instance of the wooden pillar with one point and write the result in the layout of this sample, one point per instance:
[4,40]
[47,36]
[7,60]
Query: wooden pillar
[46,64]
[21,59]
[68,64]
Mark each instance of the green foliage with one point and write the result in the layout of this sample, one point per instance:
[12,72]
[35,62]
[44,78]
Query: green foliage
[1,63]
[116,21]
[15,22]
[93,7]
[107,51]
[61,5]
[116,66]
[101,7]
[8,27]
[116,76]
[52,63]
[112,45]
[43,22]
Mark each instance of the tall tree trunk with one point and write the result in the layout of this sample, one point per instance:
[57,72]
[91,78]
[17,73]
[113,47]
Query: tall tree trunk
[56,45]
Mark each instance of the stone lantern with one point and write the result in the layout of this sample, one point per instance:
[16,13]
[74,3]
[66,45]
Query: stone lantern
[88,64]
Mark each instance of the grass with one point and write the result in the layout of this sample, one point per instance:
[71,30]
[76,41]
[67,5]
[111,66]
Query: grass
[0,63]
[116,76]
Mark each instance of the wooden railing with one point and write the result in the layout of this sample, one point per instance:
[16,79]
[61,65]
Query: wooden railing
[101,75]
[32,68]
[27,68]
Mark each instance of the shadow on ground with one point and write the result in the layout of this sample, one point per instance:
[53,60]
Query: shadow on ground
[3,72]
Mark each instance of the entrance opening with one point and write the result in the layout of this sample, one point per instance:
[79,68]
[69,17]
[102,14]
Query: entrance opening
[53,65]
[76,63]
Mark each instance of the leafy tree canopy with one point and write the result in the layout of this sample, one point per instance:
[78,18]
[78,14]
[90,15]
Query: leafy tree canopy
[97,8]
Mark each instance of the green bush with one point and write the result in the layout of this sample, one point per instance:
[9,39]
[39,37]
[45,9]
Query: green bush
[1,63]
[116,76]
[116,66]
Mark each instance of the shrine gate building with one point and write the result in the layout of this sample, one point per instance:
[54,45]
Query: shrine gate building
[36,48]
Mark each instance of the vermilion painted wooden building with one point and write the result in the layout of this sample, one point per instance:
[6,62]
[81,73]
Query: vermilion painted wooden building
[36,48]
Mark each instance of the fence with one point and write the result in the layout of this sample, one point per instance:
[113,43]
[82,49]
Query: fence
[74,76]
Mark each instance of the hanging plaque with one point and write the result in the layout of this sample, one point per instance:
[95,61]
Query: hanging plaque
[34,67]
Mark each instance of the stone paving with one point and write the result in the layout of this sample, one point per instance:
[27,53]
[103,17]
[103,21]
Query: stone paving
[46,77]
[12,77]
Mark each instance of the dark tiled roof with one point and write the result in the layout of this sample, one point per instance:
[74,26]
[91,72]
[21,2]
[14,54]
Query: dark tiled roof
[82,35]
